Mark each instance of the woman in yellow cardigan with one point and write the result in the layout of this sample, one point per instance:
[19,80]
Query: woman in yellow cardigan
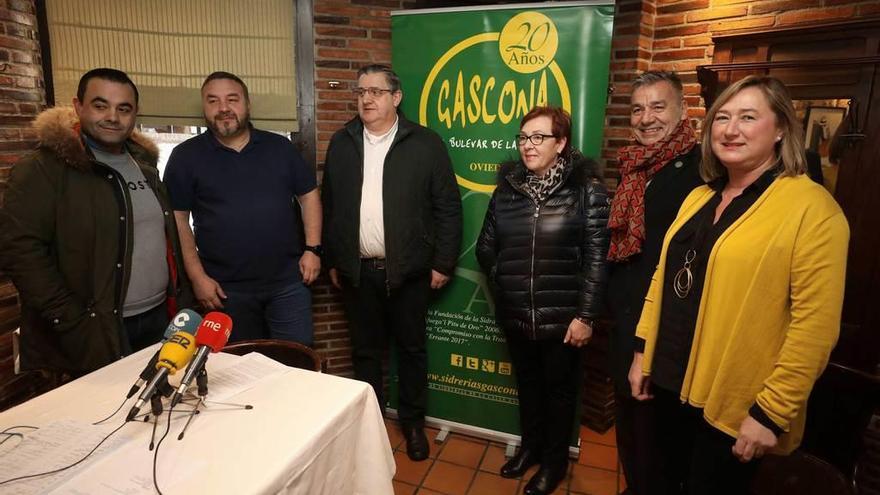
[744,307]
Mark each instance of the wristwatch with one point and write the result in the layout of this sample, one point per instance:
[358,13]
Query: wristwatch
[318,250]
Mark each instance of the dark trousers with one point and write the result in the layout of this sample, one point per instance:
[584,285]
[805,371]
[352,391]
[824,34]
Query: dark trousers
[696,457]
[547,378]
[282,312]
[374,313]
[637,445]
[144,329]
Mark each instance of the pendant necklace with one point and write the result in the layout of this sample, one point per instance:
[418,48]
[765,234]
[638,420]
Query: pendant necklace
[684,277]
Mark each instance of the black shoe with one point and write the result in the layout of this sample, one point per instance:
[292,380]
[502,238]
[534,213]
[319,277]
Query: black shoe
[546,480]
[519,464]
[416,442]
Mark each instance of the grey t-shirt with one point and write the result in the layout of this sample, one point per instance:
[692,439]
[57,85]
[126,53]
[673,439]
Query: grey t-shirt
[149,268]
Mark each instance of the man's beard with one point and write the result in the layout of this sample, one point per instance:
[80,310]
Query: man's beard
[228,128]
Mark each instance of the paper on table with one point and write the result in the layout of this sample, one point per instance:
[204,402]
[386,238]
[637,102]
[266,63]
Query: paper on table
[242,375]
[52,447]
[129,472]
[132,485]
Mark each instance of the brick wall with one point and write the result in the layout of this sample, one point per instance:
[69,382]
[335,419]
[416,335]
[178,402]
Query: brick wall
[21,98]
[348,35]
[677,35]
[21,82]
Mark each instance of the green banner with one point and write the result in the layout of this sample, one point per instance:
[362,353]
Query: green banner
[471,75]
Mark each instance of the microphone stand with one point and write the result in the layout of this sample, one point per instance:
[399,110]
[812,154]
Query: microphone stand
[156,408]
[156,405]
[202,385]
[202,389]
[231,404]
[189,419]
[163,390]
[202,382]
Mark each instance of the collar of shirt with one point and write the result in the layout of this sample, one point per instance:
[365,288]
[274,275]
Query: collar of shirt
[91,143]
[373,139]
[759,186]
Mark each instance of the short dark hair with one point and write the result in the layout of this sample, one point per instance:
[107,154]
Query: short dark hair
[650,77]
[227,75]
[560,127]
[390,76]
[107,74]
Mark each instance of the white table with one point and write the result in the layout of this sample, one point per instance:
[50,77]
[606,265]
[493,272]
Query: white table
[308,433]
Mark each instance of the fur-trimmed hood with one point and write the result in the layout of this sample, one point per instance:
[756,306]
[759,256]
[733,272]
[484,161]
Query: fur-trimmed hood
[580,170]
[58,130]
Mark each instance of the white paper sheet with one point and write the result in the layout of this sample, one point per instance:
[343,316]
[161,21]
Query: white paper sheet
[243,375]
[57,445]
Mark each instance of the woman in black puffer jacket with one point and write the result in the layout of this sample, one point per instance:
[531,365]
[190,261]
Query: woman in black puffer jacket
[544,244]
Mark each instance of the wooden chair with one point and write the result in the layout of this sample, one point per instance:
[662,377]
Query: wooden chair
[839,411]
[292,354]
[799,474]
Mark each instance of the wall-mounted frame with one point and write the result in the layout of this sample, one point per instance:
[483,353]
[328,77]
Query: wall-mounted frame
[820,124]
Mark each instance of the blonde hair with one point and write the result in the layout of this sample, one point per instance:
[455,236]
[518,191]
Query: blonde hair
[790,159]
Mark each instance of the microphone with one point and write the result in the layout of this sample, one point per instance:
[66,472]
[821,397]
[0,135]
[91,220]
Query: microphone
[173,355]
[185,321]
[211,337]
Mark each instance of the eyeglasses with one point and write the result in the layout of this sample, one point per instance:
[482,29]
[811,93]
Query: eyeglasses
[536,139]
[374,92]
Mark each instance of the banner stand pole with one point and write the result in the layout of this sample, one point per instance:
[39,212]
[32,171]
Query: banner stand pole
[446,427]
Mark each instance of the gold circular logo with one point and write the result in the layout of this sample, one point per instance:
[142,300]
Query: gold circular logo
[528,42]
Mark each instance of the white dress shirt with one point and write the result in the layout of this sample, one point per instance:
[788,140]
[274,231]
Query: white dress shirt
[372,228]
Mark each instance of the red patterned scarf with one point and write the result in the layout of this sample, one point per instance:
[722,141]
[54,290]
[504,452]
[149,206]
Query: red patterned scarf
[637,165]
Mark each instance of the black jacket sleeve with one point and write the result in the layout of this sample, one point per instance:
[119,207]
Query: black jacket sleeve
[27,228]
[594,251]
[328,259]
[446,209]
[487,242]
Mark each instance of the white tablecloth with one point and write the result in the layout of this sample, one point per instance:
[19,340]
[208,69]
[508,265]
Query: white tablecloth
[308,433]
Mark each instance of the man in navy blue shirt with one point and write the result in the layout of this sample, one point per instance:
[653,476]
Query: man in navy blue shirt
[246,255]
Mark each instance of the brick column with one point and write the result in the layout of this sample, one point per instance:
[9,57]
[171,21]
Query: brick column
[21,98]
[348,35]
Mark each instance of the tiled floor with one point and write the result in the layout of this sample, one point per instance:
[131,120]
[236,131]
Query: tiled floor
[465,465]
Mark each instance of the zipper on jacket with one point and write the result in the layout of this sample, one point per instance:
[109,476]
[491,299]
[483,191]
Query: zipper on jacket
[532,270]
[125,220]
[522,190]
[388,251]
[170,232]
[119,183]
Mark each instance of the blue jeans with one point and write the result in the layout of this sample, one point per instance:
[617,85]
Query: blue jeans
[144,329]
[283,313]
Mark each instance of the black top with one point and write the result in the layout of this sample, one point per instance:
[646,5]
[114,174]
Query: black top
[678,316]
[629,279]
[246,219]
